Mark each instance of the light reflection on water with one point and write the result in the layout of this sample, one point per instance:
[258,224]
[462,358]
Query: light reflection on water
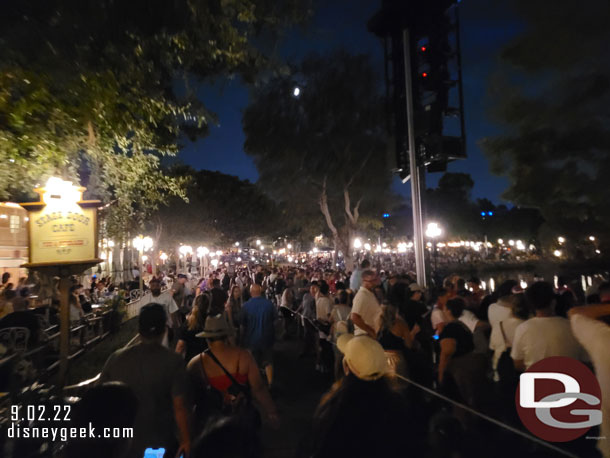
[525,280]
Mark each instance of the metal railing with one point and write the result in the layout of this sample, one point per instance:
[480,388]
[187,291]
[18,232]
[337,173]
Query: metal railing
[92,329]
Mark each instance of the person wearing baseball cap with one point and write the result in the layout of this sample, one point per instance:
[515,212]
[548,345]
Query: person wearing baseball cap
[362,414]
[158,378]
[414,287]
[416,292]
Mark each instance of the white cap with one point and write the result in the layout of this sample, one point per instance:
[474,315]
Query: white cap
[364,356]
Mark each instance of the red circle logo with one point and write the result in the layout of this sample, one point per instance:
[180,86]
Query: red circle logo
[558,399]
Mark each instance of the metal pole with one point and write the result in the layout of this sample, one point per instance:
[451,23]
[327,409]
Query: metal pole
[64,328]
[140,268]
[418,226]
[458,43]
[486,248]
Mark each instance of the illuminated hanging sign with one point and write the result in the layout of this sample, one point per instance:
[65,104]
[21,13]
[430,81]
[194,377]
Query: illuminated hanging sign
[62,227]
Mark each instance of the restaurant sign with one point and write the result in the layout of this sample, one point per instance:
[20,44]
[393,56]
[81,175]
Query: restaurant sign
[62,227]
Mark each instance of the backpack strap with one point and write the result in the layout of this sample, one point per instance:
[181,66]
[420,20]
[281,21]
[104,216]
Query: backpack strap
[235,382]
[204,377]
[503,335]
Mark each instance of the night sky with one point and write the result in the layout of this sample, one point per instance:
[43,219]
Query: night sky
[485,27]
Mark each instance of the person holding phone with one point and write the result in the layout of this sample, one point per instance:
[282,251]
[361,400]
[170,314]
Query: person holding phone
[159,380]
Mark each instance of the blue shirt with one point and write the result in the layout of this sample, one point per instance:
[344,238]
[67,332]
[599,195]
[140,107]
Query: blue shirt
[356,280]
[257,316]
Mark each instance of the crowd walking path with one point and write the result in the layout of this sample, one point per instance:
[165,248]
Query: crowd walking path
[297,391]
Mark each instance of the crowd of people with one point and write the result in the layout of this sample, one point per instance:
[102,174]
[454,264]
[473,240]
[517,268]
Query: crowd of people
[13,297]
[203,369]
[29,304]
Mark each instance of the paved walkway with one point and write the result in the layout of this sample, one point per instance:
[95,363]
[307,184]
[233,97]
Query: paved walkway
[299,389]
[297,392]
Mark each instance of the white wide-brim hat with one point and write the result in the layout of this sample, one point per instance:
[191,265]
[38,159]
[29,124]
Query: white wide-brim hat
[364,356]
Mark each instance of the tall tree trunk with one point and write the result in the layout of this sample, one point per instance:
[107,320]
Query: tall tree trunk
[341,239]
[348,257]
[351,224]
[343,245]
[335,252]
[116,268]
[126,263]
[156,247]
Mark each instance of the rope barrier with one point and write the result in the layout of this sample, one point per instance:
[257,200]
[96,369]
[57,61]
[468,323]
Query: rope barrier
[425,389]
[487,418]
[463,406]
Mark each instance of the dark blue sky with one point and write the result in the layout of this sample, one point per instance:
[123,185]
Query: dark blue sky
[485,27]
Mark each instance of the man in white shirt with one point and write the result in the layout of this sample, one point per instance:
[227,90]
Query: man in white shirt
[594,335]
[544,335]
[437,317]
[470,320]
[324,307]
[366,309]
[500,312]
[169,305]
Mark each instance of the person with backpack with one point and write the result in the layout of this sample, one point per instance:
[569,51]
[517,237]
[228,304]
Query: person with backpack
[225,379]
[500,311]
[505,373]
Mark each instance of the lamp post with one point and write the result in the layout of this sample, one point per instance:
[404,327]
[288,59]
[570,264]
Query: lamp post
[432,232]
[142,244]
[163,258]
[109,255]
[184,251]
[201,254]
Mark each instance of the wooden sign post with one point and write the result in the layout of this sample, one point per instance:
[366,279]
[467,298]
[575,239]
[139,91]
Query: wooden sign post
[63,241]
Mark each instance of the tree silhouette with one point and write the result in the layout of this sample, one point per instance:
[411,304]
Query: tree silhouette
[322,148]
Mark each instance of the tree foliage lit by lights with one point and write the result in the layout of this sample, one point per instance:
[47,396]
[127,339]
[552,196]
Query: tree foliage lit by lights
[323,151]
[99,91]
[552,98]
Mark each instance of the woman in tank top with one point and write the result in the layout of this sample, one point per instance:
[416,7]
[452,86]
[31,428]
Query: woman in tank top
[395,336]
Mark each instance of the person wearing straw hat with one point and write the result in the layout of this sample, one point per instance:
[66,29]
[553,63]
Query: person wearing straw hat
[362,414]
[228,370]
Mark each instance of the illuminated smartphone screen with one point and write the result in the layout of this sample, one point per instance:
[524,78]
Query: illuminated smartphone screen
[154,452]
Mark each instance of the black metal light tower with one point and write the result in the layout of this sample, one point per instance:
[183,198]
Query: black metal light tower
[422,68]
